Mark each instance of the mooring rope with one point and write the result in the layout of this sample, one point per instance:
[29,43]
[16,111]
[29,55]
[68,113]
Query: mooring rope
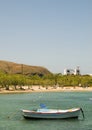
[82,113]
[13,114]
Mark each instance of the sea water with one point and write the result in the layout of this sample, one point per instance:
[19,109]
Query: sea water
[11,104]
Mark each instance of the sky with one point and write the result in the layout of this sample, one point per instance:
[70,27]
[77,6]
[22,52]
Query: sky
[55,34]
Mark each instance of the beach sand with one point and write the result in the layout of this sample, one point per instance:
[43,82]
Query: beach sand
[49,89]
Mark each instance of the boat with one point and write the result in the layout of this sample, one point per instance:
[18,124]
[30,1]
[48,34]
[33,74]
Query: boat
[44,113]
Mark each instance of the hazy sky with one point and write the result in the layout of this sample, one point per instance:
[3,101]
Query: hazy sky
[55,34]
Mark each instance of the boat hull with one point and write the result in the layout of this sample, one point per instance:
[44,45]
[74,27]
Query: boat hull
[51,115]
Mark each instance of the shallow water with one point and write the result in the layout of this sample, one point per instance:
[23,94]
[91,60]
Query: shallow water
[11,104]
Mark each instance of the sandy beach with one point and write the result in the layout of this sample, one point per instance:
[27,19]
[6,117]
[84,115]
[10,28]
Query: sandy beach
[49,89]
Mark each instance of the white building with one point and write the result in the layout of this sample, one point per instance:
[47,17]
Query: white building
[72,71]
[77,71]
[66,71]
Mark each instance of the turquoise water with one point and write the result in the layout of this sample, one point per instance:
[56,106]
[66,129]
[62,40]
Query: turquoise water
[11,104]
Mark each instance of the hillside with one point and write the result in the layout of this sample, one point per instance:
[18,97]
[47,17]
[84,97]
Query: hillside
[15,68]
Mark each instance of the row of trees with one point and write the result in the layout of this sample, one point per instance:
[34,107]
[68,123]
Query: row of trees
[8,81]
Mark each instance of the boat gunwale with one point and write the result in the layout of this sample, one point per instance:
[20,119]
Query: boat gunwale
[49,112]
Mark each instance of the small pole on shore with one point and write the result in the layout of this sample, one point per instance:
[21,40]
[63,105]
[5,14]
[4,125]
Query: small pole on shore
[22,69]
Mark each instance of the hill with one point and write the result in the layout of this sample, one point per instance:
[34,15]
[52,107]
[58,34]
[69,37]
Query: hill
[15,68]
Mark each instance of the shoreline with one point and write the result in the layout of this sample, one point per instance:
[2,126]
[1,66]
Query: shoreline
[58,89]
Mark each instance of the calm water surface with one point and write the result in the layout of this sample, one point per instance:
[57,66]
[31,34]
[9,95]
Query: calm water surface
[11,104]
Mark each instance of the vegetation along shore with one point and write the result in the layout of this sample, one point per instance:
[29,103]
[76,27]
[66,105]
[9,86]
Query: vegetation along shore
[39,79]
[51,82]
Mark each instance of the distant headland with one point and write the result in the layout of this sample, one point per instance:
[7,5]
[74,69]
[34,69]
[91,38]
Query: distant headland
[15,68]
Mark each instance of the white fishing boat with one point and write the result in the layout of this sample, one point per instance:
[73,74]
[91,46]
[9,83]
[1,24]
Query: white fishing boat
[44,113]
